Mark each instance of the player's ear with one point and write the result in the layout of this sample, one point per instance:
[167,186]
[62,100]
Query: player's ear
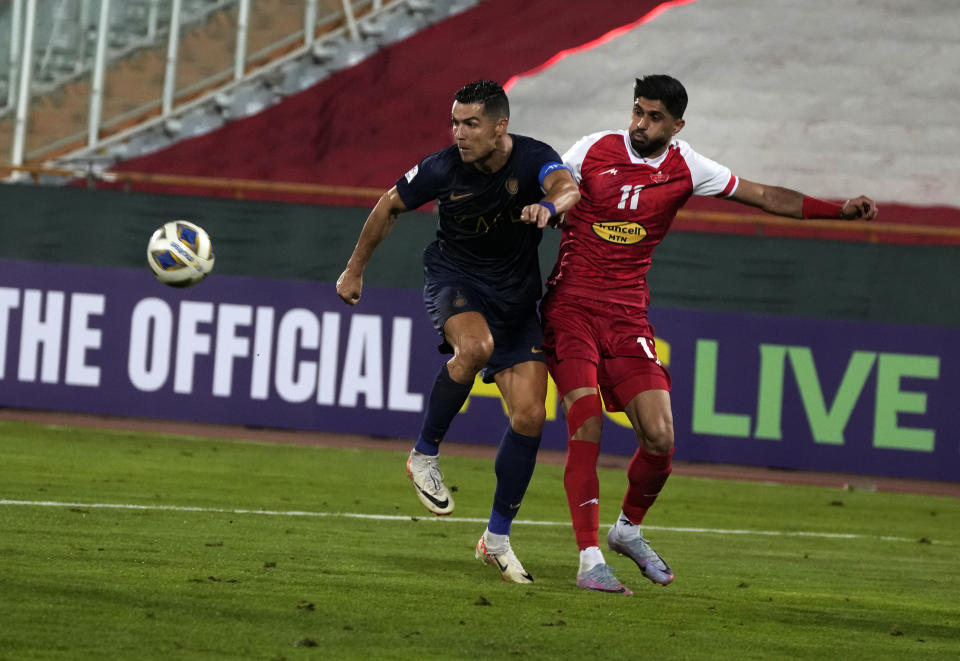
[677,125]
[501,125]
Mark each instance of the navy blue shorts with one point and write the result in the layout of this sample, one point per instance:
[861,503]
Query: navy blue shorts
[515,327]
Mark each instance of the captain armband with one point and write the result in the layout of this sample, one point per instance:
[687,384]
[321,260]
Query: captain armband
[548,168]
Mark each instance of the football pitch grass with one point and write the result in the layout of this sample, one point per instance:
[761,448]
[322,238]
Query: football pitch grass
[123,545]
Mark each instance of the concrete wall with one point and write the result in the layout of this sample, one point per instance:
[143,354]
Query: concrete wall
[767,275]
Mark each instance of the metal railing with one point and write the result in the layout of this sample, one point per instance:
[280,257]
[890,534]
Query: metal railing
[316,26]
[62,30]
[759,224]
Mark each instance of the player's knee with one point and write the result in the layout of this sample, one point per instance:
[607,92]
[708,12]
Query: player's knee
[585,418]
[529,419]
[473,354]
[590,429]
[658,438]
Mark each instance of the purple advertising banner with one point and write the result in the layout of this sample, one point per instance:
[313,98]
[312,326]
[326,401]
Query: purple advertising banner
[875,399]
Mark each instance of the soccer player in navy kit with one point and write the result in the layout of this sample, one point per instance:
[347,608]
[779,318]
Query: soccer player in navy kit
[495,192]
[597,336]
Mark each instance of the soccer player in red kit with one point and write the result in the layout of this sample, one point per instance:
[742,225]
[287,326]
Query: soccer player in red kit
[597,335]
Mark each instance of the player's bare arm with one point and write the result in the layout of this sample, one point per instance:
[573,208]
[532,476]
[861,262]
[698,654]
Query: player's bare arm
[375,229]
[561,193]
[793,204]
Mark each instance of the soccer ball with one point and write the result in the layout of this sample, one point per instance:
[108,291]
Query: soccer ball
[180,253]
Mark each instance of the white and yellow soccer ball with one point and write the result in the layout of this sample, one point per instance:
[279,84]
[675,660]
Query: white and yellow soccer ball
[180,253]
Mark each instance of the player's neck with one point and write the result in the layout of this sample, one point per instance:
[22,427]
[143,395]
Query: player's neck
[498,157]
[648,155]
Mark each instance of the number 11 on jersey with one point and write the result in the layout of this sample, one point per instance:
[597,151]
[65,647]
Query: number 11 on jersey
[626,190]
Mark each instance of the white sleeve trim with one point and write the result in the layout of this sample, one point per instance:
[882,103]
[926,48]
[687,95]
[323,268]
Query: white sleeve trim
[709,177]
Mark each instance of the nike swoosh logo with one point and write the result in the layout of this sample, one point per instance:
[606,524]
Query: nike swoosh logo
[438,503]
[502,566]
[535,350]
[454,197]
[593,501]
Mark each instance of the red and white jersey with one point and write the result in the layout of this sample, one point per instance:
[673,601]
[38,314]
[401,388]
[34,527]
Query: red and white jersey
[626,207]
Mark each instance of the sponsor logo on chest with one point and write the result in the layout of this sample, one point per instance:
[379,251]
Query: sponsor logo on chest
[621,232]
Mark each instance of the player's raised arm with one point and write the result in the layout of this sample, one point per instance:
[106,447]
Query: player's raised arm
[375,229]
[793,204]
[561,194]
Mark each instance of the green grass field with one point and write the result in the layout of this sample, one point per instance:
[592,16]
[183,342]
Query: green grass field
[120,545]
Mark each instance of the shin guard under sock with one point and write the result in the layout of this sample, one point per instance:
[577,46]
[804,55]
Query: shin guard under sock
[583,490]
[516,459]
[647,473]
[446,399]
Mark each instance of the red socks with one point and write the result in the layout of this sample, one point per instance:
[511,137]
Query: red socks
[647,473]
[583,490]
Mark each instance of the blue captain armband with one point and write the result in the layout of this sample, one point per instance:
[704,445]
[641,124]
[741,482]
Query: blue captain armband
[548,168]
[549,207]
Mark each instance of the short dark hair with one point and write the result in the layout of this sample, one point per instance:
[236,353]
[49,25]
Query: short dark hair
[489,94]
[665,89]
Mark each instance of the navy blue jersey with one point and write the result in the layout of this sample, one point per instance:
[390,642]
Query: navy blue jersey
[479,229]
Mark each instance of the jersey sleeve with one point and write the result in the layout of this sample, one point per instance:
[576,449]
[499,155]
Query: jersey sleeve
[709,177]
[573,157]
[420,184]
[541,156]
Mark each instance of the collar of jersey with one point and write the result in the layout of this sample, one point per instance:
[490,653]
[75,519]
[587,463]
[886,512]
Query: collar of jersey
[637,159]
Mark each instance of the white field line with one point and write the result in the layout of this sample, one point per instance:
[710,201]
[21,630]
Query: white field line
[451,519]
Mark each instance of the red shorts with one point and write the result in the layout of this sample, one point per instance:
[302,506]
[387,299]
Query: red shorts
[590,343]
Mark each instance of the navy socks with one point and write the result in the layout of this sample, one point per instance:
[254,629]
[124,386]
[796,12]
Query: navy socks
[514,466]
[444,403]
[516,457]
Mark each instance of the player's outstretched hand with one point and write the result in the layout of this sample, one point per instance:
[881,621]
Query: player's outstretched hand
[349,286]
[859,208]
[536,214]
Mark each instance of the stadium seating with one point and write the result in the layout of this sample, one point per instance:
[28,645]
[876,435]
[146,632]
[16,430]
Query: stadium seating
[808,109]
